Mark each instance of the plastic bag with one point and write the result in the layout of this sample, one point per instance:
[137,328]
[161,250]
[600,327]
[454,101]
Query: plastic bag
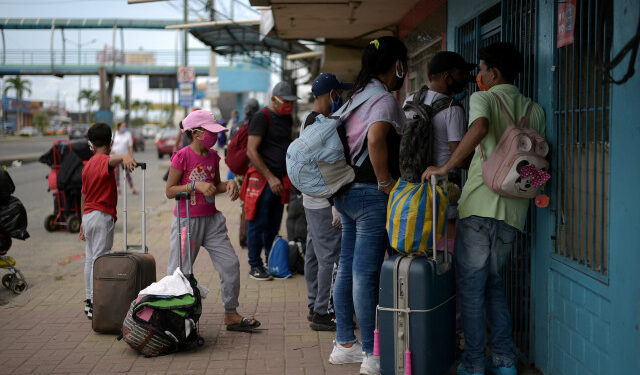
[6,184]
[13,219]
[279,259]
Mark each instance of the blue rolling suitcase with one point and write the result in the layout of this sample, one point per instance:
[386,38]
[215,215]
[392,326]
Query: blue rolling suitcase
[416,314]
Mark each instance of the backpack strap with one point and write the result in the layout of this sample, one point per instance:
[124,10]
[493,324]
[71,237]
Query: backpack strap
[441,104]
[267,114]
[524,120]
[364,96]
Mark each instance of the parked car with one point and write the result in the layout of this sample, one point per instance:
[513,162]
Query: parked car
[138,139]
[166,142]
[79,131]
[149,131]
[29,131]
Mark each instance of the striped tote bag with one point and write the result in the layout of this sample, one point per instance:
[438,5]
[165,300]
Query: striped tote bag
[410,215]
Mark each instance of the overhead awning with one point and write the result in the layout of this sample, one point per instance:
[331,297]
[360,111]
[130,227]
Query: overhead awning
[335,19]
[244,39]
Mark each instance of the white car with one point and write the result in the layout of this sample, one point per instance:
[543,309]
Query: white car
[149,131]
[29,132]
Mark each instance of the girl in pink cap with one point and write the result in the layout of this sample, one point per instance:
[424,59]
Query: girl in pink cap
[195,170]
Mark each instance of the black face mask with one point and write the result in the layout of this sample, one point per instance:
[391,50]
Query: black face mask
[457,87]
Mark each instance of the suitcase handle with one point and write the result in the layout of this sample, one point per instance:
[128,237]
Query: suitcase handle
[445,256]
[179,196]
[143,218]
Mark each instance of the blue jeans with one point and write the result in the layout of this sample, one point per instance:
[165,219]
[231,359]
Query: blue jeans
[363,209]
[481,249]
[264,228]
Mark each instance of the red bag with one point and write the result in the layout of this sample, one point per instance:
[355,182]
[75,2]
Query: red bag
[237,159]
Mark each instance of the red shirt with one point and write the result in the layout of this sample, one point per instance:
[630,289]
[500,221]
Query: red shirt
[99,186]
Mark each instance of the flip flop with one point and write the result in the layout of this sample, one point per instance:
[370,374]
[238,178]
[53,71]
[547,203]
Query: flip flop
[244,326]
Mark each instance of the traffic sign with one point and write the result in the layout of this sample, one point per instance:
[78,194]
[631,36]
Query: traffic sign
[187,91]
[186,74]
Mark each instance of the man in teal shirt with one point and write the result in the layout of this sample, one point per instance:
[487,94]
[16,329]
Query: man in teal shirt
[488,225]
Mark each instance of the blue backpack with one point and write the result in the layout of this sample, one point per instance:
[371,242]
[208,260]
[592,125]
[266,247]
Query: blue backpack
[279,258]
[316,162]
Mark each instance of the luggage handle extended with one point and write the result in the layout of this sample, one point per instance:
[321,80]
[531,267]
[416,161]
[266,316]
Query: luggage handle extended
[183,195]
[434,234]
[143,246]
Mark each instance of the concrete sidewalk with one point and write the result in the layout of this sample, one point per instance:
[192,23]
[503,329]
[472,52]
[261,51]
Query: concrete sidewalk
[45,330]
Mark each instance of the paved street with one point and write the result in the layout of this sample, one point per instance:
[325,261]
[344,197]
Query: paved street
[46,331]
[11,146]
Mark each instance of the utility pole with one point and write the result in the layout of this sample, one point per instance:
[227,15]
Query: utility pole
[186,39]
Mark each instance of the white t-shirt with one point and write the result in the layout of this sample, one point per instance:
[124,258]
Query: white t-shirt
[449,126]
[121,143]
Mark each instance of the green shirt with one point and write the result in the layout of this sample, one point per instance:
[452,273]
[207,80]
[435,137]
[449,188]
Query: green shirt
[477,199]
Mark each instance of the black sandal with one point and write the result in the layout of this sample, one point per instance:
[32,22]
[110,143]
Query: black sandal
[245,325]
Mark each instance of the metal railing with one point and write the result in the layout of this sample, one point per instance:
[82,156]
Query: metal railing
[197,57]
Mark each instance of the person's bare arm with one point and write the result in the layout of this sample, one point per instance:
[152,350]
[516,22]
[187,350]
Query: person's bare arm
[230,187]
[379,153]
[465,163]
[81,234]
[253,143]
[125,159]
[478,130]
[172,188]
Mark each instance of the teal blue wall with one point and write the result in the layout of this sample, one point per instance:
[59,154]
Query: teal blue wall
[624,204]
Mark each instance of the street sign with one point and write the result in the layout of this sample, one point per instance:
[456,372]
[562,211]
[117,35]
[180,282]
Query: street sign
[186,74]
[187,91]
[186,86]
[213,88]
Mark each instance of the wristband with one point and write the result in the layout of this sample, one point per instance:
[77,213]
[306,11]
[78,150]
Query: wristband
[193,186]
[386,183]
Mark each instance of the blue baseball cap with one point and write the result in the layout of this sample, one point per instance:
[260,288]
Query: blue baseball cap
[326,82]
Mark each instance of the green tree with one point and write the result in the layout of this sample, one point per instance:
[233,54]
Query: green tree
[135,107]
[87,96]
[20,86]
[40,121]
[116,103]
[146,106]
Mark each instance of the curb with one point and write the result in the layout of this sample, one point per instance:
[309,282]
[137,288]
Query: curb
[25,158]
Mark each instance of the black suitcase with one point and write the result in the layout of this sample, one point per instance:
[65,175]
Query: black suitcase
[118,277]
[416,313]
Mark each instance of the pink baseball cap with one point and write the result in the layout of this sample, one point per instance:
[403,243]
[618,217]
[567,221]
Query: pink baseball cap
[202,119]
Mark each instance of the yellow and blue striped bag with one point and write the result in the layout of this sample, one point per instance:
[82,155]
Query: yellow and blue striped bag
[409,216]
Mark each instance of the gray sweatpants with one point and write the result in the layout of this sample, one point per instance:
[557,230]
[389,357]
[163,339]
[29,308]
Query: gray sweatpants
[323,250]
[209,232]
[98,231]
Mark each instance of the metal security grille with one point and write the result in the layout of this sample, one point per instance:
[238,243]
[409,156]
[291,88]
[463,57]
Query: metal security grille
[582,130]
[513,21]
[519,28]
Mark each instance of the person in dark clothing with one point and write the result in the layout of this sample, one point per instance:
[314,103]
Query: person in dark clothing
[323,221]
[266,186]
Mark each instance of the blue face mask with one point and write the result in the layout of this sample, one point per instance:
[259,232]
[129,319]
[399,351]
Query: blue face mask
[335,105]
[461,95]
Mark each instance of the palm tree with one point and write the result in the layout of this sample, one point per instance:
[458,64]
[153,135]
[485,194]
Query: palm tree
[135,106]
[87,95]
[146,106]
[117,103]
[21,86]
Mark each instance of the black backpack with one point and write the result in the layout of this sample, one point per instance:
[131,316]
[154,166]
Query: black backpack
[416,145]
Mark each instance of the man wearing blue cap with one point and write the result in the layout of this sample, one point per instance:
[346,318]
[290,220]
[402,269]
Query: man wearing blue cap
[323,221]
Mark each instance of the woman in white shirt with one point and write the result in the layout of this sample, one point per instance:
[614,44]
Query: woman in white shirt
[123,144]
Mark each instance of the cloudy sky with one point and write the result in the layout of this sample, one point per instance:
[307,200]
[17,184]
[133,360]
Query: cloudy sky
[50,88]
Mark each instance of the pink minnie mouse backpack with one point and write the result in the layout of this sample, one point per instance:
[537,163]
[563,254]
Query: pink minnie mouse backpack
[517,166]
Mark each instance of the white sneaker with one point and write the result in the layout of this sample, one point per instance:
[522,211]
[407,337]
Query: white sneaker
[341,355]
[370,364]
